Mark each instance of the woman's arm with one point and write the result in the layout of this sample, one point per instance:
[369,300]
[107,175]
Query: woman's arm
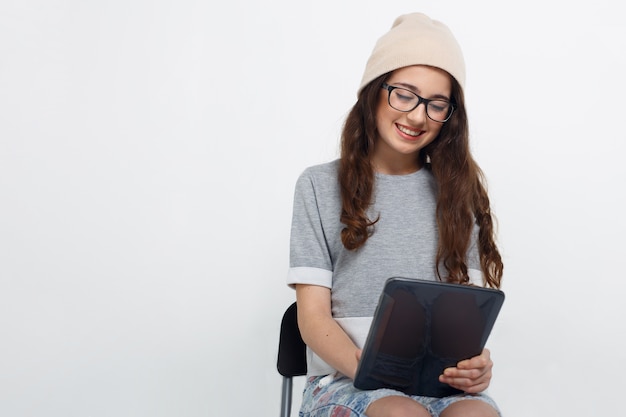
[321,332]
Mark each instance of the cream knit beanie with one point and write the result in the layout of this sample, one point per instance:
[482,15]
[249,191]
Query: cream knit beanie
[415,39]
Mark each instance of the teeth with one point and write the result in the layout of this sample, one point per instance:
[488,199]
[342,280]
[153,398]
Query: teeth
[407,131]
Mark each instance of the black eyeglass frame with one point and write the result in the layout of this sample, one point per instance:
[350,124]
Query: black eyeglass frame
[420,100]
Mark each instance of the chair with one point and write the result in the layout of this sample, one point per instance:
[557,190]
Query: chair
[291,356]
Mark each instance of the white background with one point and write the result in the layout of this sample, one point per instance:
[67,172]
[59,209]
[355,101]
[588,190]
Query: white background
[148,154]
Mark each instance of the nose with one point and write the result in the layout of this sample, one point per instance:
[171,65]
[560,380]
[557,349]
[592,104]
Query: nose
[418,114]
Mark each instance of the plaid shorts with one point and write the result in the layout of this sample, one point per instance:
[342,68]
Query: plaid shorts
[337,397]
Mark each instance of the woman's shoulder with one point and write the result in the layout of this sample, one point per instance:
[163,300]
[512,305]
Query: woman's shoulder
[321,173]
[323,169]
[319,181]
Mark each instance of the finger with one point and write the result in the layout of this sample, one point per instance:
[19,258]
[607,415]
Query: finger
[467,384]
[473,389]
[481,361]
[473,386]
[472,373]
[465,379]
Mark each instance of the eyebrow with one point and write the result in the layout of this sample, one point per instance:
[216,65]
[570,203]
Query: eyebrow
[416,90]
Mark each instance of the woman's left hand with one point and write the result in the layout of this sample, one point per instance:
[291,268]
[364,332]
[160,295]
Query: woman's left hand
[471,375]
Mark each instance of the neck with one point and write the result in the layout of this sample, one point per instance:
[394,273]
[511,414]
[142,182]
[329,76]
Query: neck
[397,166]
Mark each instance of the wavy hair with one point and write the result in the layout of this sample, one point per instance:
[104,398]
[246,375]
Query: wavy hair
[462,199]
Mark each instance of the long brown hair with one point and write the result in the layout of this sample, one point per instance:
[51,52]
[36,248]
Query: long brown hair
[462,199]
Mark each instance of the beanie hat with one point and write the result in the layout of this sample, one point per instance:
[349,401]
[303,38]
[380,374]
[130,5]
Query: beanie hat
[415,39]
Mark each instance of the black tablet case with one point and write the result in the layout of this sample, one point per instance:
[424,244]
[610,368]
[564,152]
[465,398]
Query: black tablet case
[422,327]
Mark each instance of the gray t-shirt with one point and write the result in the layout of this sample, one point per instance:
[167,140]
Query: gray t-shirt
[404,243]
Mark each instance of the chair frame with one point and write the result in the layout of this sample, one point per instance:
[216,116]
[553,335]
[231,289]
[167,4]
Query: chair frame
[291,356]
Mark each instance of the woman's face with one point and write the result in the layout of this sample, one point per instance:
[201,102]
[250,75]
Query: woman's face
[402,135]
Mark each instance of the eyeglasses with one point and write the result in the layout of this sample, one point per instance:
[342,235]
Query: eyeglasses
[405,100]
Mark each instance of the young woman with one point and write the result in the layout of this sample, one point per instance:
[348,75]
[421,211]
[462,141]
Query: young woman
[405,199]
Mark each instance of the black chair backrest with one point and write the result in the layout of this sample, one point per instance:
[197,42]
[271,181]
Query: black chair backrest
[291,348]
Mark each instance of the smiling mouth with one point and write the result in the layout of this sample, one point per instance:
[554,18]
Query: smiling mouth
[409,131]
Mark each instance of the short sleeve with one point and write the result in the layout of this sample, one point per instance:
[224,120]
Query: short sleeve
[310,261]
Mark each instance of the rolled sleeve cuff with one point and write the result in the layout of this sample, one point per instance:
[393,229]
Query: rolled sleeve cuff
[310,276]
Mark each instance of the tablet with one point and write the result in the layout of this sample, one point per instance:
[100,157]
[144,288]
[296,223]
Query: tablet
[422,327]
